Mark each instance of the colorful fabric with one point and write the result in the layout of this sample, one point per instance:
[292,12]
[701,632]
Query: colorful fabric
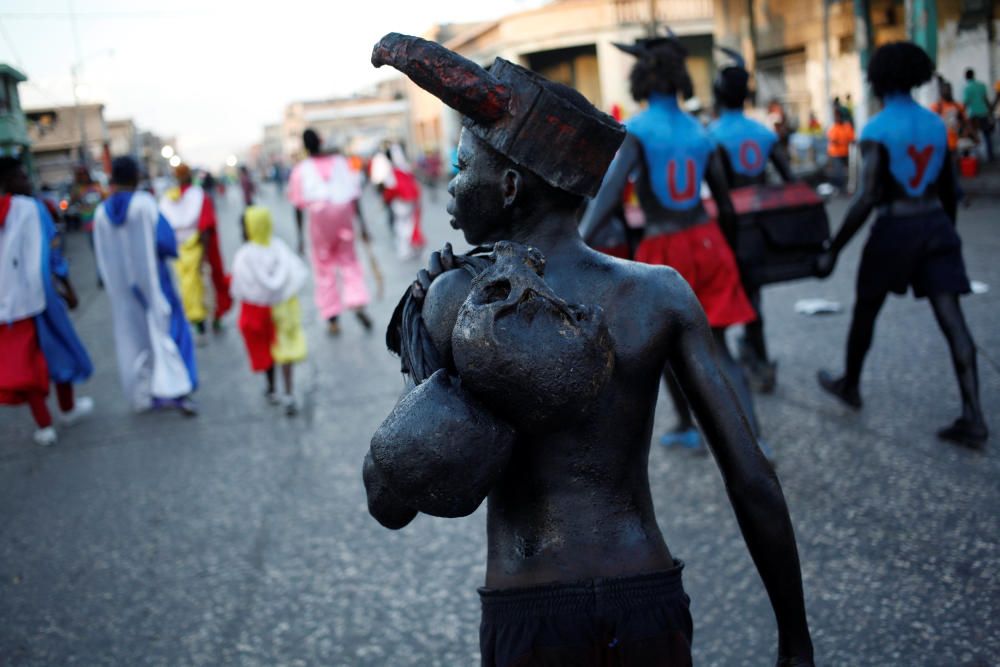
[184,210]
[152,338]
[188,266]
[257,328]
[331,232]
[703,258]
[747,142]
[290,340]
[24,370]
[273,334]
[839,138]
[339,280]
[22,292]
[265,270]
[65,355]
[323,178]
[953,115]
[915,139]
[676,149]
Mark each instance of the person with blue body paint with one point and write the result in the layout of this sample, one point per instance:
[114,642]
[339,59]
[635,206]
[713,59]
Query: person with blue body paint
[747,148]
[669,154]
[153,339]
[906,176]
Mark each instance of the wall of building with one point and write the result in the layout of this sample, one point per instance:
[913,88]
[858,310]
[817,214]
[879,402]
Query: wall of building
[790,55]
[571,42]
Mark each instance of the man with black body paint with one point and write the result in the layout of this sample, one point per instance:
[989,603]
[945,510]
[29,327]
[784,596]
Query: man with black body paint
[577,569]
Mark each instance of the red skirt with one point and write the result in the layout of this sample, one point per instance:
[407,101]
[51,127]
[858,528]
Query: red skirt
[258,332]
[619,251]
[23,370]
[703,258]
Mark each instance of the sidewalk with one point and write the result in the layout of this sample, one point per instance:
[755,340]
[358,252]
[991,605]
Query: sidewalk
[986,183]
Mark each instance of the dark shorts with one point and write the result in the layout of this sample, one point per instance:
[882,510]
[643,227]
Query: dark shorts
[922,251]
[641,620]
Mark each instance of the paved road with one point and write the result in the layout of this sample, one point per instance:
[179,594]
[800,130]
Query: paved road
[242,537]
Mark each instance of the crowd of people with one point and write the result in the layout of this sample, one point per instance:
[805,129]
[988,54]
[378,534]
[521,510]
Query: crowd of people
[153,255]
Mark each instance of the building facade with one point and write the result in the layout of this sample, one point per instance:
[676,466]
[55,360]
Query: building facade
[572,42]
[805,53]
[64,136]
[355,124]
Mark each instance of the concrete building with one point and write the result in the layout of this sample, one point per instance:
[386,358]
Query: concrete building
[14,141]
[783,41]
[58,135]
[148,151]
[123,137]
[356,124]
[572,42]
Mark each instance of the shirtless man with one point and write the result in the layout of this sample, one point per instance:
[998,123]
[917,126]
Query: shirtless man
[578,572]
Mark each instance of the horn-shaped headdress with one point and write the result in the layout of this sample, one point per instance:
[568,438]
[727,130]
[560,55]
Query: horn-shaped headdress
[563,139]
[646,45]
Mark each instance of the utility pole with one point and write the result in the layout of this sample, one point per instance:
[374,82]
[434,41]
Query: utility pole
[81,122]
[652,27]
[827,92]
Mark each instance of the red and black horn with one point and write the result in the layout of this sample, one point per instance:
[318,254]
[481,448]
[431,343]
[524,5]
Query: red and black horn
[458,82]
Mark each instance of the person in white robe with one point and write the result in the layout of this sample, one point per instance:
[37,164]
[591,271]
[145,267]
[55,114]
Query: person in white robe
[152,337]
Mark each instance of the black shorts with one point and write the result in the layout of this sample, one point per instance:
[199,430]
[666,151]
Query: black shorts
[640,620]
[922,251]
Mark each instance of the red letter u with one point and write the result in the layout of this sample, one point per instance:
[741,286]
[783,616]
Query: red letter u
[690,186]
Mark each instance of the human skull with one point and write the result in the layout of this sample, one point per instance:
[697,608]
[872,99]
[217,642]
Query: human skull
[440,451]
[533,358]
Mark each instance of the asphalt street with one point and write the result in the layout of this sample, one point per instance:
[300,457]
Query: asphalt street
[242,536]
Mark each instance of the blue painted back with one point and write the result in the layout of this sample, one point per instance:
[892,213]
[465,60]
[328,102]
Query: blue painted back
[676,148]
[747,143]
[914,137]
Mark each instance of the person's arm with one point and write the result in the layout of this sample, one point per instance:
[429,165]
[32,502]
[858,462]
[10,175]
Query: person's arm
[780,161]
[362,225]
[869,192]
[947,188]
[750,482]
[715,177]
[609,197]
[58,266]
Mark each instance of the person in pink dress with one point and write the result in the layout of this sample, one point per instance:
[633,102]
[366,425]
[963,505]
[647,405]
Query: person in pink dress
[325,187]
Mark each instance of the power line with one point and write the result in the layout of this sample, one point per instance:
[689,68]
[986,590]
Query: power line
[42,15]
[10,45]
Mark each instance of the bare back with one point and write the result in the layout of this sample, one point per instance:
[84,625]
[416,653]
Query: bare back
[576,504]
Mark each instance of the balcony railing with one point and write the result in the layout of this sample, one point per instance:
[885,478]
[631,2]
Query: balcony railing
[631,12]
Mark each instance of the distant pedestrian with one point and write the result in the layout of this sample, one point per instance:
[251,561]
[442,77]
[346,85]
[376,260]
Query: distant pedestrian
[267,277]
[325,187]
[977,105]
[247,186]
[192,216]
[156,361]
[38,343]
[951,112]
[392,173]
[839,138]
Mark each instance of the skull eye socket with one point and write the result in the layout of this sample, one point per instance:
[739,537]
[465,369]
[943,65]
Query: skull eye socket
[498,290]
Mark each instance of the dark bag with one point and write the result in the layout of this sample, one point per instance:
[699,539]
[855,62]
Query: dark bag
[782,229]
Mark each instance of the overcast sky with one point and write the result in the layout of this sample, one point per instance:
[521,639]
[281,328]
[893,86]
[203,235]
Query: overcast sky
[211,73]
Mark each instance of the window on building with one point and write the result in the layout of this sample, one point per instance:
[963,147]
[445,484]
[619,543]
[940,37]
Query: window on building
[575,67]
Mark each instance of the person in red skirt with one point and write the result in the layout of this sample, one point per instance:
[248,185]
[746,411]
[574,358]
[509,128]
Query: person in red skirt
[673,154]
[38,343]
[267,277]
